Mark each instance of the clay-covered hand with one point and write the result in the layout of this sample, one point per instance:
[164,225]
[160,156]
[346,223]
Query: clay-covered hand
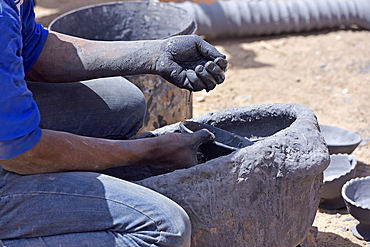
[178,150]
[192,63]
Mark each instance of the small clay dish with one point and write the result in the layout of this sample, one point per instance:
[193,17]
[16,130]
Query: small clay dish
[339,140]
[356,194]
[342,168]
[225,142]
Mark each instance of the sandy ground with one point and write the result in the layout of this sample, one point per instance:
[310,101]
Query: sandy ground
[328,71]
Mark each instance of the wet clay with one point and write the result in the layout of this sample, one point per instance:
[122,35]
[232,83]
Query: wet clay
[256,195]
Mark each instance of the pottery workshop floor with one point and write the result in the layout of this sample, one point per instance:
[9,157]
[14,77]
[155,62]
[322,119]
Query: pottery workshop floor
[326,71]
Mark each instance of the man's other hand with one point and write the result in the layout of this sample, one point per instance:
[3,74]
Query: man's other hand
[190,62]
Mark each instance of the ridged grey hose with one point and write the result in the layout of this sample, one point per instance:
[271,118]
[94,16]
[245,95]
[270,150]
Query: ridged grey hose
[225,19]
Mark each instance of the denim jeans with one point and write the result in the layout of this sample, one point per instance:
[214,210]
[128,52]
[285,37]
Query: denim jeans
[88,208]
[108,108]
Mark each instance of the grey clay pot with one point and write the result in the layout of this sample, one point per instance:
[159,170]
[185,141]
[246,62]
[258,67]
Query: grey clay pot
[340,140]
[266,194]
[342,168]
[131,21]
[356,194]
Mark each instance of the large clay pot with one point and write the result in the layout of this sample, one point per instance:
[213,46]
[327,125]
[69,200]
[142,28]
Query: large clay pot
[135,20]
[266,194]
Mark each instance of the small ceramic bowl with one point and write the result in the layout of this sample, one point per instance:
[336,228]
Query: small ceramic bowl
[339,140]
[342,168]
[225,142]
[356,194]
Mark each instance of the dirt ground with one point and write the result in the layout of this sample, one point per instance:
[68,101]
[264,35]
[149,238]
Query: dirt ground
[328,71]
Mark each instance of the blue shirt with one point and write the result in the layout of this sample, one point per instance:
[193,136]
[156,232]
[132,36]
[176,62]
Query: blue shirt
[21,41]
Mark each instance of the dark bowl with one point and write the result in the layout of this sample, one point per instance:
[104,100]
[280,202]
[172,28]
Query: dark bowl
[225,142]
[356,195]
[339,140]
[342,168]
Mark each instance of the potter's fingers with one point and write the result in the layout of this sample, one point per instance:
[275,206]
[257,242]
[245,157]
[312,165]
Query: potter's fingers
[207,79]
[179,79]
[222,62]
[187,85]
[194,80]
[215,71]
[203,136]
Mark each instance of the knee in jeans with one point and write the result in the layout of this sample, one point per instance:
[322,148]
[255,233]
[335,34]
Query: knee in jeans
[140,107]
[185,230]
[179,224]
[137,99]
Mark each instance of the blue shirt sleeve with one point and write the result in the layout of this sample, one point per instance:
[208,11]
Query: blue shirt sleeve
[33,35]
[19,115]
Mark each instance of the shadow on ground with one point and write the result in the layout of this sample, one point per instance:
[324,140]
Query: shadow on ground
[328,239]
[362,169]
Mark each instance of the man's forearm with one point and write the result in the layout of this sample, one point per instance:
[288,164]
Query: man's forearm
[186,61]
[59,151]
[66,59]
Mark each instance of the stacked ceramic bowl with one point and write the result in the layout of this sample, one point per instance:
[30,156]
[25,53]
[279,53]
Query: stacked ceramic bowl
[342,167]
[340,170]
[340,140]
[356,194]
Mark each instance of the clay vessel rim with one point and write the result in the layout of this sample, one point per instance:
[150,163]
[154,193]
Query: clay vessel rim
[345,197]
[97,5]
[353,163]
[356,140]
[185,128]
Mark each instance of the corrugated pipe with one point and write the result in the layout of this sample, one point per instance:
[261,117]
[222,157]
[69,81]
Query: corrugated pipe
[226,19]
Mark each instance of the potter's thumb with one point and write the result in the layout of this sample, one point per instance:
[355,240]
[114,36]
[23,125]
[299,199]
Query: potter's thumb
[209,51]
[203,136]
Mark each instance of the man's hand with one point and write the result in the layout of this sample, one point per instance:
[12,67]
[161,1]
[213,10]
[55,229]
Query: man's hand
[175,151]
[192,63]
